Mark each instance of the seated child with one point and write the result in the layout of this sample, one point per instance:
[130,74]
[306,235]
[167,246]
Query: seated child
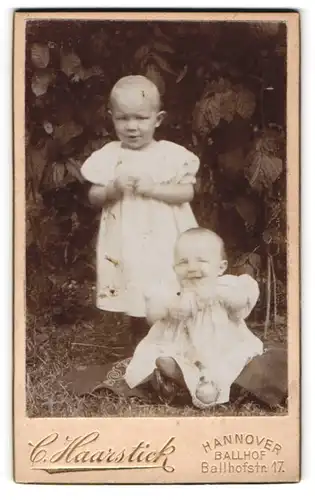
[199,338]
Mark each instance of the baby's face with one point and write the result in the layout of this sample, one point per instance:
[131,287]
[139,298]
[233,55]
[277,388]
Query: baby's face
[198,257]
[135,118]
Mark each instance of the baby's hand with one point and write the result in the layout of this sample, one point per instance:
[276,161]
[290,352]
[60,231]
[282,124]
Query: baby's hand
[144,186]
[155,311]
[156,304]
[125,183]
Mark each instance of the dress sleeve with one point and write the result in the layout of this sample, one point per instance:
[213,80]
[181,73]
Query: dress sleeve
[188,168]
[251,290]
[99,168]
[182,165]
[245,290]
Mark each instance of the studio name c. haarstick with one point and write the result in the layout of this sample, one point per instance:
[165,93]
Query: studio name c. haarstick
[81,451]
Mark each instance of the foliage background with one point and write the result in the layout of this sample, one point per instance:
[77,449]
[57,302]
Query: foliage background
[223,86]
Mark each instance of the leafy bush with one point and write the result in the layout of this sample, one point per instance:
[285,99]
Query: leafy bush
[223,86]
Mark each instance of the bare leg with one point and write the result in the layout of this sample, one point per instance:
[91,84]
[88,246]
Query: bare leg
[170,369]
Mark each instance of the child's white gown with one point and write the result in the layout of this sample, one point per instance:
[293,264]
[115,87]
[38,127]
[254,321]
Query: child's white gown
[215,337]
[137,235]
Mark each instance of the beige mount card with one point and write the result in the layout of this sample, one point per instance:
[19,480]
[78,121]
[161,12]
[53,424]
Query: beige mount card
[229,83]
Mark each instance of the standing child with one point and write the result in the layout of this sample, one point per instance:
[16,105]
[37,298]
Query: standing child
[144,187]
[199,338]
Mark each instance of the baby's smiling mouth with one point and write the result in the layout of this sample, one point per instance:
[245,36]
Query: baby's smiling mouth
[193,279]
[194,276]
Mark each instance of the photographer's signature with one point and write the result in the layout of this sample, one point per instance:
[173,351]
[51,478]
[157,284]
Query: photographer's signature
[80,453]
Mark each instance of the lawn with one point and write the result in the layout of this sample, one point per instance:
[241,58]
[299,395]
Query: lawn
[77,334]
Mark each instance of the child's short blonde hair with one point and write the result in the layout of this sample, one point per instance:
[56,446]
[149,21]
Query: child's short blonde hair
[140,83]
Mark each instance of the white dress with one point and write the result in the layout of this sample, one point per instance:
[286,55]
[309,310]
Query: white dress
[137,235]
[216,337]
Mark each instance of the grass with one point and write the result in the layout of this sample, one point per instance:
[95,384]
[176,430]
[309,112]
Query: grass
[84,336]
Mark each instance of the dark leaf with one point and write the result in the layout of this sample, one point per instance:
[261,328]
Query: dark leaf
[270,142]
[70,63]
[153,74]
[265,29]
[48,127]
[74,168]
[182,74]
[194,140]
[159,33]
[36,161]
[219,86]
[41,81]
[207,115]
[247,209]
[248,263]
[245,104]
[40,55]
[142,54]
[64,133]
[162,63]
[227,105]
[84,74]
[99,42]
[59,172]
[275,236]
[231,163]
[262,170]
[163,47]
[255,260]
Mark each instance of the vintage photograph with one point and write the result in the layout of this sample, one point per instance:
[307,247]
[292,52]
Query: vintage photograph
[156,218]
[156,239]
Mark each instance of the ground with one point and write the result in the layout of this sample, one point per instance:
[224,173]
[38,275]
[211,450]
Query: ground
[75,333]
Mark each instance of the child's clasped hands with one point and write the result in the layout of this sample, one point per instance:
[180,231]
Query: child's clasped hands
[129,184]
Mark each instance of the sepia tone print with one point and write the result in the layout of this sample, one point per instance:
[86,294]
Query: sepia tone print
[159,197]
[227,104]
